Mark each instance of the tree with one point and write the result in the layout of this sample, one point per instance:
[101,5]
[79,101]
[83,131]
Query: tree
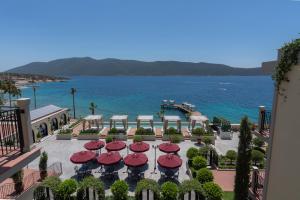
[191,185]
[213,191]
[199,162]
[192,152]
[9,87]
[204,175]
[119,190]
[43,165]
[169,191]
[257,156]
[207,140]
[73,91]
[231,155]
[18,181]
[92,107]
[258,142]
[243,161]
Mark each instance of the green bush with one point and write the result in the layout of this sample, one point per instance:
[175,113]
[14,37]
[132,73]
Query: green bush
[192,152]
[18,181]
[119,190]
[137,138]
[198,131]
[175,138]
[115,131]
[89,131]
[93,183]
[216,121]
[191,185]
[169,191]
[108,139]
[147,184]
[258,142]
[226,125]
[212,191]
[143,131]
[204,175]
[52,182]
[231,155]
[172,131]
[39,193]
[43,165]
[199,162]
[65,131]
[204,151]
[66,188]
[257,156]
[207,140]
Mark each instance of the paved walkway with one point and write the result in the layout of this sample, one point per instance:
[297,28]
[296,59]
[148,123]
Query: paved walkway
[225,179]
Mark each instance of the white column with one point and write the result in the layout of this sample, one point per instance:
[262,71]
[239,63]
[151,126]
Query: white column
[23,104]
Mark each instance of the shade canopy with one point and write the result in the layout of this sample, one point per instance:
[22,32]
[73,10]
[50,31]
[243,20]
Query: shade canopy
[172,118]
[93,120]
[109,158]
[139,147]
[115,146]
[144,118]
[119,118]
[169,161]
[169,147]
[94,145]
[82,157]
[194,119]
[135,160]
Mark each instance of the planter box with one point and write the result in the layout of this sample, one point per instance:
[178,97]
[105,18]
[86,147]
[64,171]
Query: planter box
[63,136]
[195,138]
[118,137]
[88,137]
[147,137]
[225,135]
[167,137]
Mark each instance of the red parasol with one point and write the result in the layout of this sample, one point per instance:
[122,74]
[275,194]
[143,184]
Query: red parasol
[109,158]
[169,147]
[82,157]
[115,146]
[169,161]
[135,160]
[139,147]
[94,145]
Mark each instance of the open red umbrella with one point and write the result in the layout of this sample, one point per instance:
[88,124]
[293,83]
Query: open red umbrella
[94,145]
[169,147]
[109,158]
[169,161]
[135,160]
[115,146]
[139,147]
[82,157]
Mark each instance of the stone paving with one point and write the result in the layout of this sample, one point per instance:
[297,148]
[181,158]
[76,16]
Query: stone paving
[61,151]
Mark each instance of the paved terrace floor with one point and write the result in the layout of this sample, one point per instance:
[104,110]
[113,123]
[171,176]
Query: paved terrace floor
[61,151]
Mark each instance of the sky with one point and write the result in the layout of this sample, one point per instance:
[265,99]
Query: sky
[240,33]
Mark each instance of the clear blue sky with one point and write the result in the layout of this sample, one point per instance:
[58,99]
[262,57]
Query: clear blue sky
[238,33]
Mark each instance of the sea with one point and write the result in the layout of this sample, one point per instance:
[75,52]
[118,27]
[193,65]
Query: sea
[231,97]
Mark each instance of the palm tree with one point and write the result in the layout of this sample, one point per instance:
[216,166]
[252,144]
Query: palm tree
[11,89]
[73,91]
[92,107]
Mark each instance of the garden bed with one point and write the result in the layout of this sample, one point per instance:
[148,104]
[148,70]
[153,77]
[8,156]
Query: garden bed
[64,134]
[118,134]
[89,134]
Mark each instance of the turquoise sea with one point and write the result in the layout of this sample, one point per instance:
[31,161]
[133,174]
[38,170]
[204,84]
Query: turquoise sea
[229,96]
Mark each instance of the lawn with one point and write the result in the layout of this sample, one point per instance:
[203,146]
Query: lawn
[228,196]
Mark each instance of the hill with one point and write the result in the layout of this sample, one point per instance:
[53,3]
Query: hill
[115,67]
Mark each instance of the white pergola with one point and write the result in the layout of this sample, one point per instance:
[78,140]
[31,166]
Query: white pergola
[93,120]
[194,119]
[119,118]
[172,118]
[144,118]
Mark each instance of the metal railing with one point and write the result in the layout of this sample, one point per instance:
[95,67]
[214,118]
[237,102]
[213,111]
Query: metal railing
[8,190]
[11,135]
[257,187]
[265,122]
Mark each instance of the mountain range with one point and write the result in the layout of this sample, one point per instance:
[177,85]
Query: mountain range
[86,66]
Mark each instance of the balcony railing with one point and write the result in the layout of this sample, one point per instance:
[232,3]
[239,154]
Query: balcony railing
[265,122]
[257,184]
[11,136]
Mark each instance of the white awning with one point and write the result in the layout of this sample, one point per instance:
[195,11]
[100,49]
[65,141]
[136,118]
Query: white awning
[93,117]
[173,118]
[145,117]
[198,118]
[119,117]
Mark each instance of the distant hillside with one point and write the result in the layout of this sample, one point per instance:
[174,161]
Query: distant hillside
[116,67]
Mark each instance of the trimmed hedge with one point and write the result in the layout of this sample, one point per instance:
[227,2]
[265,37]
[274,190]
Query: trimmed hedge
[212,191]
[204,175]
[119,190]
[191,185]
[192,152]
[89,131]
[93,183]
[199,162]
[143,131]
[169,191]
[148,184]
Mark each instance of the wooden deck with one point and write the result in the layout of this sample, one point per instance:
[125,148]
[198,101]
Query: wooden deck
[158,133]
[131,133]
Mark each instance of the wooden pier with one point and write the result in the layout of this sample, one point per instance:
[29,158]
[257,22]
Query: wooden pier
[180,107]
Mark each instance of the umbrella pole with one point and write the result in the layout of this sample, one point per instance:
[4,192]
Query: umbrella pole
[154,170]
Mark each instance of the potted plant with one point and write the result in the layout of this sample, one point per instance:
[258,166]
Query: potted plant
[88,134]
[38,136]
[18,181]
[146,134]
[64,134]
[43,165]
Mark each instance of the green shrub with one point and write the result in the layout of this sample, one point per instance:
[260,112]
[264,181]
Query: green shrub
[259,149]
[204,175]
[108,139]
[137,138]
[191,185]
[199,162]
[204,151]
[143,131]
[258,142]
[226,125]
[115,131]
[212,191]
[93,183]
[169,191]
[119,190]
[66,188]
[147,184]
[175,138]
[216,121]
[18,181]
[52,182]
[207,140]
[39,193]
[43,165]
[257,157]
[89,131]
[198,131]
[231,155]
[172,131]
[65,131]
[192,152]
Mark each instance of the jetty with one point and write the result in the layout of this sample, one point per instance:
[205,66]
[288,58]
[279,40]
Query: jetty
[184,107]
